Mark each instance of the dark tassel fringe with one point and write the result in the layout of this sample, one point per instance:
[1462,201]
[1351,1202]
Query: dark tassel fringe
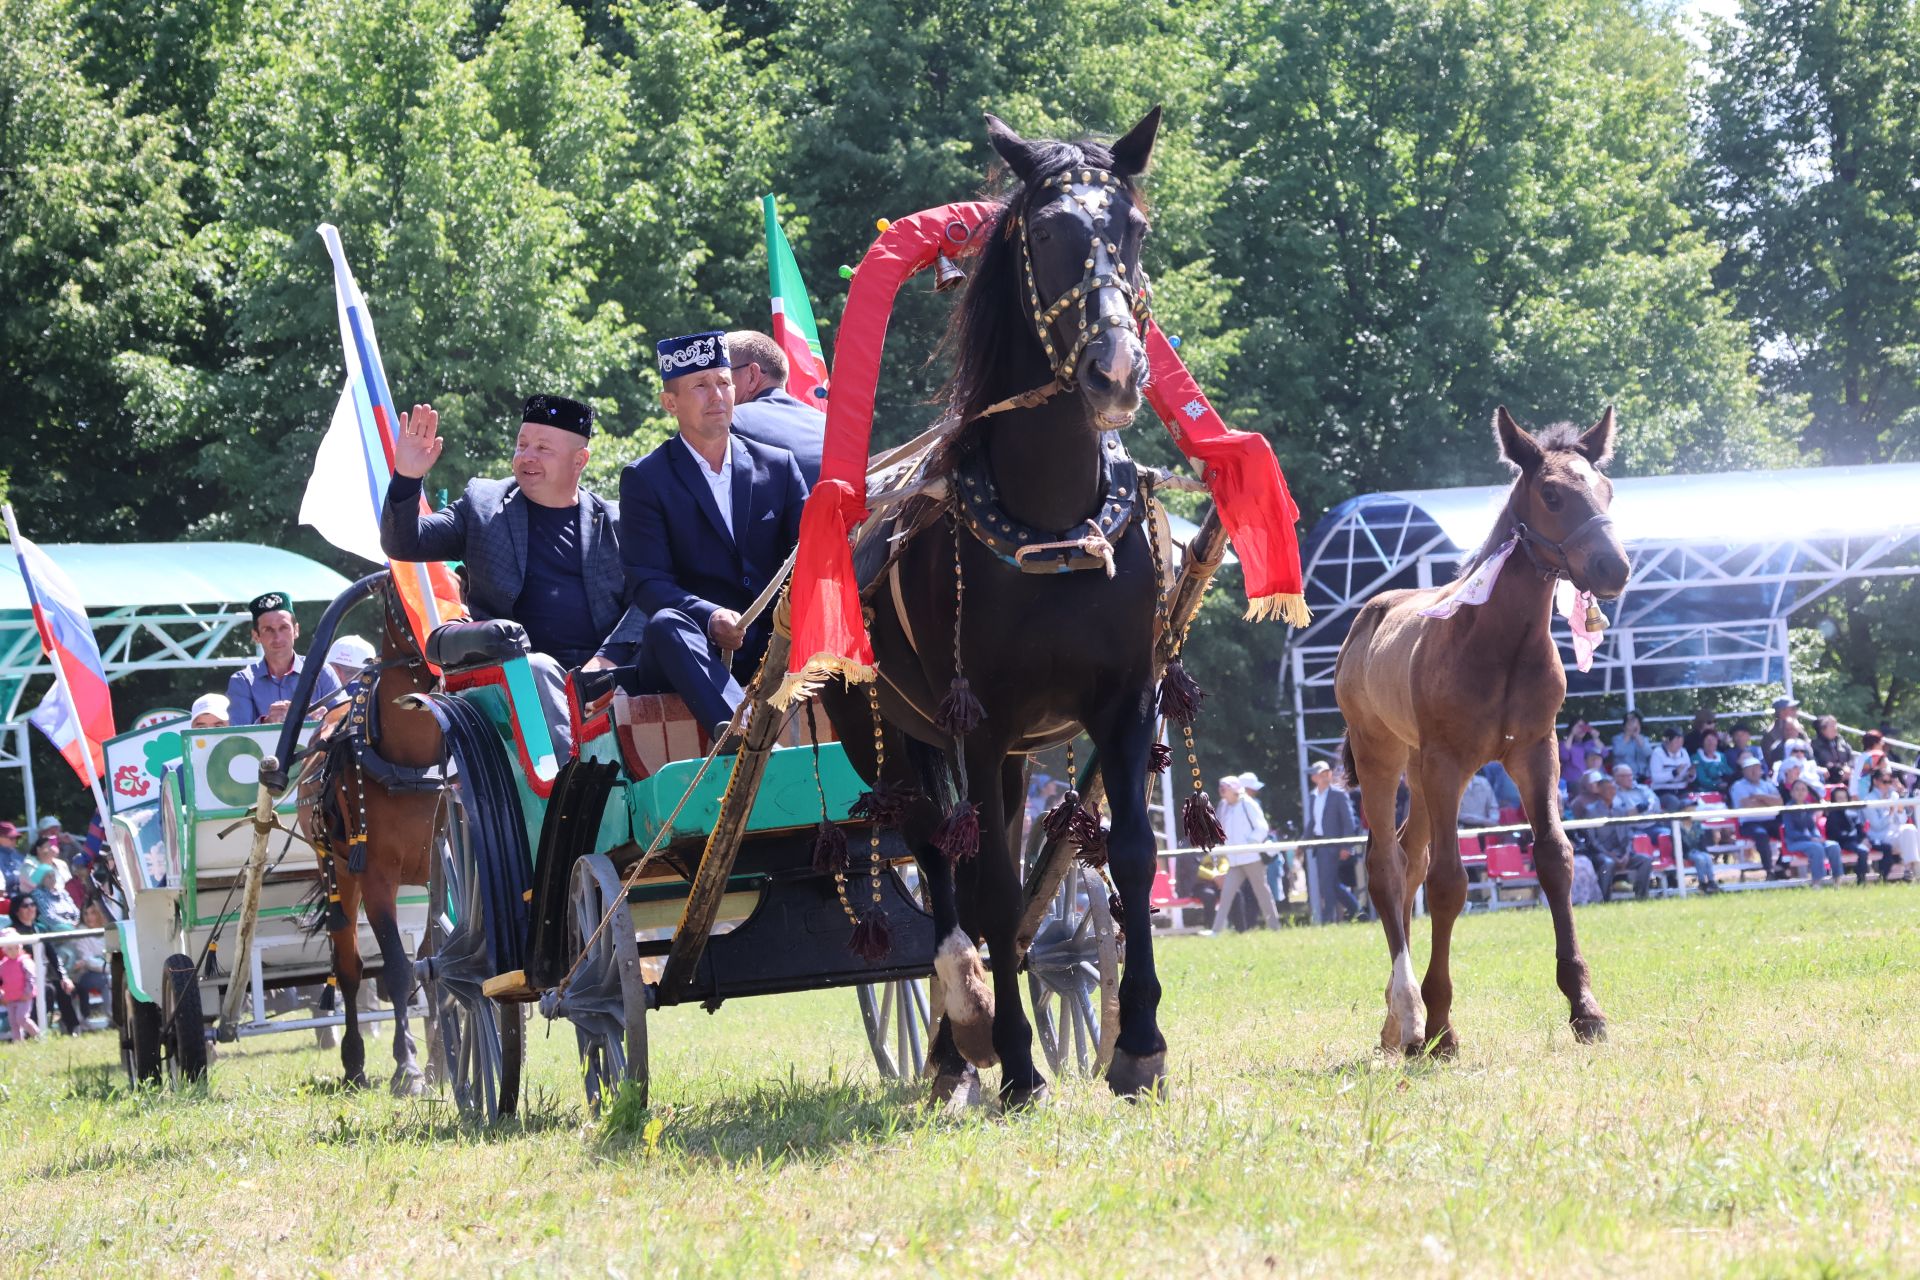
[357,858]
[210,966]
[829,849]
[1180,694]
[872,938]
[1202,826]
[959,834]
[336,917]
[1159,758]
[1059,819]
[1116,908]
[960,712]
[884,806]
[1090,836]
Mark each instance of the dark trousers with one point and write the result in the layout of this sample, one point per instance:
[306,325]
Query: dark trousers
[677,657]
[1637,867]
[1763,834]
[1336,900]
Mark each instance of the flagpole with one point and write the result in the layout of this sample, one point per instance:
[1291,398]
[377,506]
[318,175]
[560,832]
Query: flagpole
[60,675]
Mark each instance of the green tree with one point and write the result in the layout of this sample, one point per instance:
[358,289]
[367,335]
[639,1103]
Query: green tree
[1811,175]
[104,289]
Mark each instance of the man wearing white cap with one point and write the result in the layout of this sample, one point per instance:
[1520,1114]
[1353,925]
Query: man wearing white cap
[1245,825]
[209,711]
[348,655]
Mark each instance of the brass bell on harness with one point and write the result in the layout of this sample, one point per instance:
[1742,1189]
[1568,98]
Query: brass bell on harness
[947,274]
[1596,620]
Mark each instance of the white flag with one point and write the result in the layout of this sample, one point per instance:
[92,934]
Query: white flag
[339,500]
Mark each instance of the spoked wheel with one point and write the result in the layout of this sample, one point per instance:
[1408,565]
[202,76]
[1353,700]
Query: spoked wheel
[606,1000]
[895,1014]
[478,1043]
[183,1029]
[1073,975]
[139,1025]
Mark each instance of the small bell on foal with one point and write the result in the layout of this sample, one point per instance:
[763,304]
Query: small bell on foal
[1437,682]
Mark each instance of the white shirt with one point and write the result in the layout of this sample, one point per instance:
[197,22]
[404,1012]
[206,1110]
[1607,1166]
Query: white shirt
[1668,770]
[1244,823]
[721,481]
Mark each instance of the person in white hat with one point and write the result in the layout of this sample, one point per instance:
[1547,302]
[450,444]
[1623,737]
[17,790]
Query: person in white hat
[1245,825]
[209,711]
[1279,863]
[348,655]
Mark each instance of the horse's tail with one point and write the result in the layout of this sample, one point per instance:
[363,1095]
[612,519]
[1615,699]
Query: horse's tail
[1349,772]
[933,769]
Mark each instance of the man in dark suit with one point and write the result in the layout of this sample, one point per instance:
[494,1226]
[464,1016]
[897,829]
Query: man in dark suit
[762,409]
[538,548]
[1329,816]
[706,521]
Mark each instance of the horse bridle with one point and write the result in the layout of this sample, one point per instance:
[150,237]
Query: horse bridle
[1102,271]
[1537,543]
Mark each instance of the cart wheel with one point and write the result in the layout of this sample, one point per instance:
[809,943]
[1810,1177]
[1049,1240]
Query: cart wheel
[139,1025]
[478,1041]
[1073,970]
[895,1014]
[183,1029]
[606,1000]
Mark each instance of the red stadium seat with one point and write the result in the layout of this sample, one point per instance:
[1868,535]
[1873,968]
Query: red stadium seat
[1508,868]
[1511,815]
[1643,844]
[1470,849]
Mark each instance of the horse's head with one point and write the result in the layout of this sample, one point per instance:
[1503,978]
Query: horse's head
[1560,500]
[398,647]
[1075,225]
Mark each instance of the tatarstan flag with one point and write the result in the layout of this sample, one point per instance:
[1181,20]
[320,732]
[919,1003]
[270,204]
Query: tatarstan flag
[793,326]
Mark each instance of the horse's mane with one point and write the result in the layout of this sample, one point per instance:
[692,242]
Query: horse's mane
[1559,438]
[987,328]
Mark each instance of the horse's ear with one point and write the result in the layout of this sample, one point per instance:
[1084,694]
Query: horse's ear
[1133,153]
[1516,446]
[1014,149]
[1596,446]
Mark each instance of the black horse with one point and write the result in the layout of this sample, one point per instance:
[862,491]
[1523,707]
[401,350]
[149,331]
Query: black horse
[1022,609]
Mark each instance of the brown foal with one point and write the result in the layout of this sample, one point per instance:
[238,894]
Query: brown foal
[1437,698]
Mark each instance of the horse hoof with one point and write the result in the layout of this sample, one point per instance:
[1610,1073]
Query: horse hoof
[1444,1046]
[358,1080]
[1133,1076]
[1022,1096]
[408,1082]
[1591,1029]
[955,1092]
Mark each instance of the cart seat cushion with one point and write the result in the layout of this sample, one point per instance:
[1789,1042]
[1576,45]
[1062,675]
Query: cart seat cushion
[472,644]
[655,729]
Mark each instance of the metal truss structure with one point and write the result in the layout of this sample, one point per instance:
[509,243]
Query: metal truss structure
[1721,564]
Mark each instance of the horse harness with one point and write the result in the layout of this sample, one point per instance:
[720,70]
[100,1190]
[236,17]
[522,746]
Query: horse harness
[1102,270]
[1537,544]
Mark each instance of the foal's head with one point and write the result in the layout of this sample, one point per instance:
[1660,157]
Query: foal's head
[1560,500]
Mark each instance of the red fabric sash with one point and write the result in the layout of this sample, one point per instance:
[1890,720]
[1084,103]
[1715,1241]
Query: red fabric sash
[829,633]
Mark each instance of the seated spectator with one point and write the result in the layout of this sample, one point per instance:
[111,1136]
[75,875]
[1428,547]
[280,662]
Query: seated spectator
[46,881]
[89,960]
[1581,751]
[1739,742]
[1801,835]
[1784,729]
[209,712]
[1831,752]
[1844,828]
[1671,771]
[27,919]
[1752,790]
[1713,769]
[1630,797]
[1630,746]
[1504,788]
[13,863]
[1478,806]
[1885,825]
[1796,755]
[1868,760]
[1703,724]
[1693,844]
[1610,847]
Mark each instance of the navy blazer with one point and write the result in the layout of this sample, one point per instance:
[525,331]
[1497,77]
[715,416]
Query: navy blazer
[676,548]
[776,418]
[486,528]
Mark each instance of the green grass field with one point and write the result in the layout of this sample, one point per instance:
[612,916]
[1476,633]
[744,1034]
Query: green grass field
[1756,1112]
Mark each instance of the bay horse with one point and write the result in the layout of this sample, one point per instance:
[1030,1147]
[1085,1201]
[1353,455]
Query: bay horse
[1022,608]
[1439,697]
[371,811]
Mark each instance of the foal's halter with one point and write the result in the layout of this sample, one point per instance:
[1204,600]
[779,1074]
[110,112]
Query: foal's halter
[1093,191]
[1560,560]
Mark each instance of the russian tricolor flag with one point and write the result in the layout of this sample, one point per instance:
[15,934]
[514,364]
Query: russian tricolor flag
[355,462]
[77,713]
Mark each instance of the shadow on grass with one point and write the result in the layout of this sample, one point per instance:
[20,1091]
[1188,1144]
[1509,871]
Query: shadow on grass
[808,1121]
[435,1119]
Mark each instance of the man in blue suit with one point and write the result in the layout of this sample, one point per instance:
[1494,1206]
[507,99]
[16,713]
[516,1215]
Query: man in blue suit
[763,410]
[706,521]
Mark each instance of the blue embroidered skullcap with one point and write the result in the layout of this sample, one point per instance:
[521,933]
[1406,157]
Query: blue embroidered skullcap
[558,411]
[695,353]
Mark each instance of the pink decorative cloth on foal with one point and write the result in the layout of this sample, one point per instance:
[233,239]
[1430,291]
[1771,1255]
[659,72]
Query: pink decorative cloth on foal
[1569,603]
